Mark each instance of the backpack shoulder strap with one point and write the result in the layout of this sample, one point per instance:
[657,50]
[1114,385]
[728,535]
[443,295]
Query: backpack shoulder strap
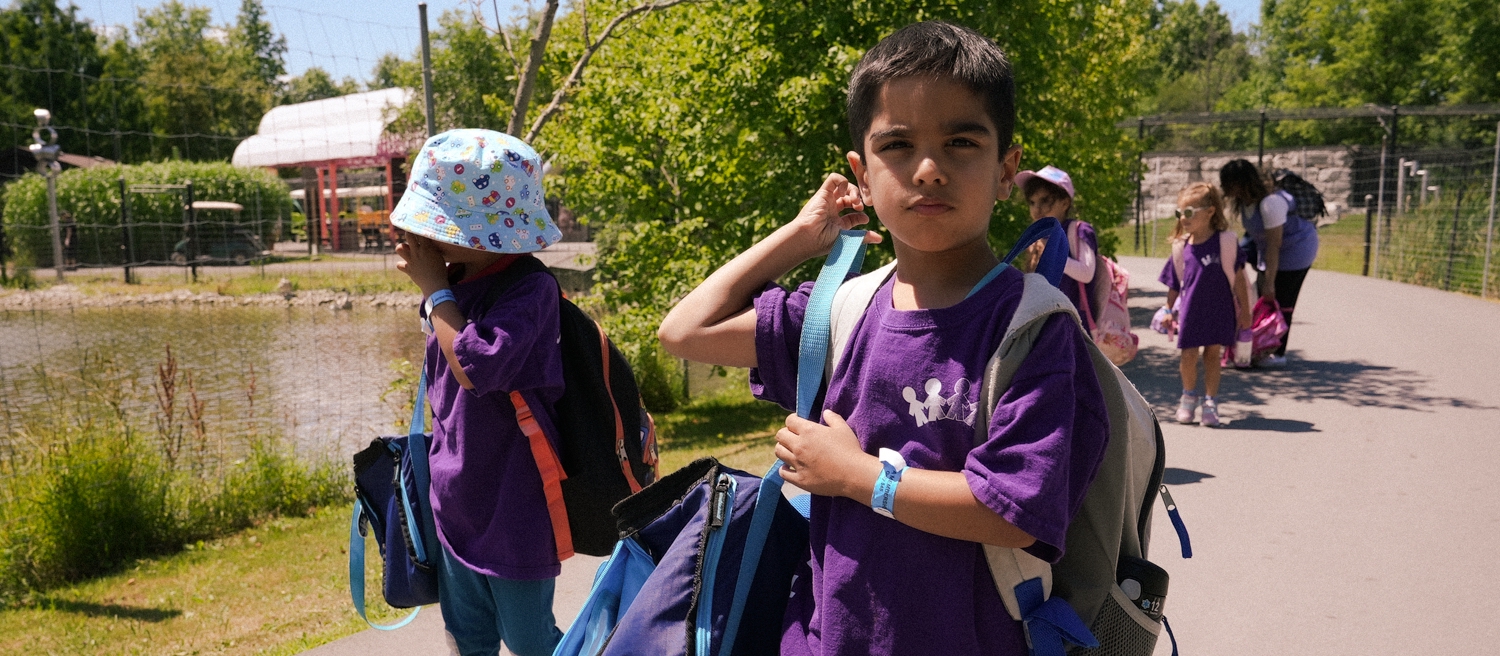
[1229,246]
[1179,246]
[1039,301]
[849,304]
[522,267]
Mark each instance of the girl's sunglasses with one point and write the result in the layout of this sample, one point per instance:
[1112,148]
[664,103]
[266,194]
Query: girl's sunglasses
[1187,212]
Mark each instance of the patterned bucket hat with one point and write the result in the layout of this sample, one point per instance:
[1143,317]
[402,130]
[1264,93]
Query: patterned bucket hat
[478,189]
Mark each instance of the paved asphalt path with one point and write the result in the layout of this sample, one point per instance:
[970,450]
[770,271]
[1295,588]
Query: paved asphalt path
[1351,505]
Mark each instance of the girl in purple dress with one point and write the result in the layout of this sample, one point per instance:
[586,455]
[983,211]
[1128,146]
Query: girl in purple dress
[1211,306]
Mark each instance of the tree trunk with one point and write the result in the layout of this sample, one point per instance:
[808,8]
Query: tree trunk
[527,82]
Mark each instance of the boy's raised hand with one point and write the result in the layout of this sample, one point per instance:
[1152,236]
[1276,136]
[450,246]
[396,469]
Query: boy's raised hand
[835,206]
[423,262]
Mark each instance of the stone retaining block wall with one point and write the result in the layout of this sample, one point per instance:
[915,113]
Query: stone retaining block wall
[1330,168]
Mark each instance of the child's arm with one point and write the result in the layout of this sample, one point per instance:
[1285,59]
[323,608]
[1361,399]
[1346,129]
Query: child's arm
[829,461]
[715,323]
[1243,312]
[424,264]
[1171,321]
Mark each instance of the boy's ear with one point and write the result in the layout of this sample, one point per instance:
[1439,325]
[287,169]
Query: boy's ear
[1010,162]
[857,165]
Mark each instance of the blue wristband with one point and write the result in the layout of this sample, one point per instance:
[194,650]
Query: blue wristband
[883,501]
[438,297]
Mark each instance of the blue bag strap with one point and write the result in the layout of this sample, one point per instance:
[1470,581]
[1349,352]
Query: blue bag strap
[846,257]
[1049,623]
[812,351]
[357,575]
[416,440]
[1054,257]
[1182,533]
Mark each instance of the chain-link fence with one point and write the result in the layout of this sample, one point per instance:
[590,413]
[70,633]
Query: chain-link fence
[1410,191]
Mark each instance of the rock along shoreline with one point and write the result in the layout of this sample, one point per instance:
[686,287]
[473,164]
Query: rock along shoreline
[65,297]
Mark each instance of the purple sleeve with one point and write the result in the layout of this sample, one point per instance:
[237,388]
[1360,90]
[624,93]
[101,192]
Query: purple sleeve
[1168,276]
[495,351]
[778,336]
[1046,440]
[1086,236]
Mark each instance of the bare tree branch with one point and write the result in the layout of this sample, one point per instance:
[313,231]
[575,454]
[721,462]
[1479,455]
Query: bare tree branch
[527,82]
[560,96]
[505,39]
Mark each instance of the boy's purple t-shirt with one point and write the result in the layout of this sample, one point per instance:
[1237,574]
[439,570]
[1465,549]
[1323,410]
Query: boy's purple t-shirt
[910,382]
[487,494]
[1205,306]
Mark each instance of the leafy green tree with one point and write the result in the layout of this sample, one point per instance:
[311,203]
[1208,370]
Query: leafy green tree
[200,97]
[1198,56]
[316,84]
[49,58]
[704,129]
[258,47]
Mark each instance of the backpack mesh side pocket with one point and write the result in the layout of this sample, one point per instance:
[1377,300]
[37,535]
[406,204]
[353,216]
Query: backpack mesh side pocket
[1122,629]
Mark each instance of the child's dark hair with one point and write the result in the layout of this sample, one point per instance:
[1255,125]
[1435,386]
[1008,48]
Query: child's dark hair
[934,49]
[1243,182]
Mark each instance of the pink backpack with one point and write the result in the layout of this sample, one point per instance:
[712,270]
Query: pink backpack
[1111,327]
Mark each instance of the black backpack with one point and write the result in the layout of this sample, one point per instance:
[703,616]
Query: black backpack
[607,440]
[1308,200]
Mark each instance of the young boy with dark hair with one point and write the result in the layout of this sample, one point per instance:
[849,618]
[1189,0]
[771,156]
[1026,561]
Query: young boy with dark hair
[931,112]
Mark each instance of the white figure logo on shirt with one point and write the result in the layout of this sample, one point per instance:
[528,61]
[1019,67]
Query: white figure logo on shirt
[1207,260]
[955,406]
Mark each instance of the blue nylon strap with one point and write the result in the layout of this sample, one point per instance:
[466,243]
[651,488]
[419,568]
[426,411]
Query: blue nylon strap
[1170,636]
[1048,623]
[416,440]
[357,575]
[847,256]
[812,351]
[987,279]
[1054,256]
[1182,533]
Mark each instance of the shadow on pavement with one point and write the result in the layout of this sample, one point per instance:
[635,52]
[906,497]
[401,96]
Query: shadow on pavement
[1176,476]
[1254,421]
[1359,384]
[107,610]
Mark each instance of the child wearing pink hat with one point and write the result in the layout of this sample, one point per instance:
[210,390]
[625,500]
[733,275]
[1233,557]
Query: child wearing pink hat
[1049,192]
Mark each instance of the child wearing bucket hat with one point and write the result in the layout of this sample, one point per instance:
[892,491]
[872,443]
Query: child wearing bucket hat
[473,206]
[1049,192]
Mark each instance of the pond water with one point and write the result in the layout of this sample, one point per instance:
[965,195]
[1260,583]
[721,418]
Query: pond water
[313,376]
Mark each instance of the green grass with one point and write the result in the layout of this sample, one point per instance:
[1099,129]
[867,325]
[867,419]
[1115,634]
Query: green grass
[328,272]
[281,586]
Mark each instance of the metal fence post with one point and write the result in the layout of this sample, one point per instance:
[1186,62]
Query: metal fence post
[1380,207]
[1140,180]
[1489,237]
[1260,150]
[1369,221]
[191,233]
[1453,238]
[427,71]
[46,152]
[129,243]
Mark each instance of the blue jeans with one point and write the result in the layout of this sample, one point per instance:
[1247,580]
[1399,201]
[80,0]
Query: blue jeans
[480,611]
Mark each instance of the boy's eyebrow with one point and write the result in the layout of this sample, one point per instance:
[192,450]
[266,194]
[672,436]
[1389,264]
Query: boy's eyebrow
[956,127]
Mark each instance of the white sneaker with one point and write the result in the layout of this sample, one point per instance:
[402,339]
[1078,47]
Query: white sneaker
[1271,362]
[1210,413]
[1186,407]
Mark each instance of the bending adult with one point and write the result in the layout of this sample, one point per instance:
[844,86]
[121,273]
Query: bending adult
[1049,192]
[1284,243]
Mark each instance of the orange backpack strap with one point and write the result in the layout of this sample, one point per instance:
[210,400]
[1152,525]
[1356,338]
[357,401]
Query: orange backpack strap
[552,473]
[635,486]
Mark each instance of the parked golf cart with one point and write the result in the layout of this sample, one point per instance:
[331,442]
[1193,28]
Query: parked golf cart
[218,242]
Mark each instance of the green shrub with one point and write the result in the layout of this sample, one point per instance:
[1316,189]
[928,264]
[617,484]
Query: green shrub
[92,196]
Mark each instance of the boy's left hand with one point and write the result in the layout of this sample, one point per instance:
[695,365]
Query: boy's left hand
[825,460]
[423,262]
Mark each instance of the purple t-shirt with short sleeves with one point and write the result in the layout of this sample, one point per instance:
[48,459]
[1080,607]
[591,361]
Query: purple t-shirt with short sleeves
[910,382]
[487,494]
[1205,306]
